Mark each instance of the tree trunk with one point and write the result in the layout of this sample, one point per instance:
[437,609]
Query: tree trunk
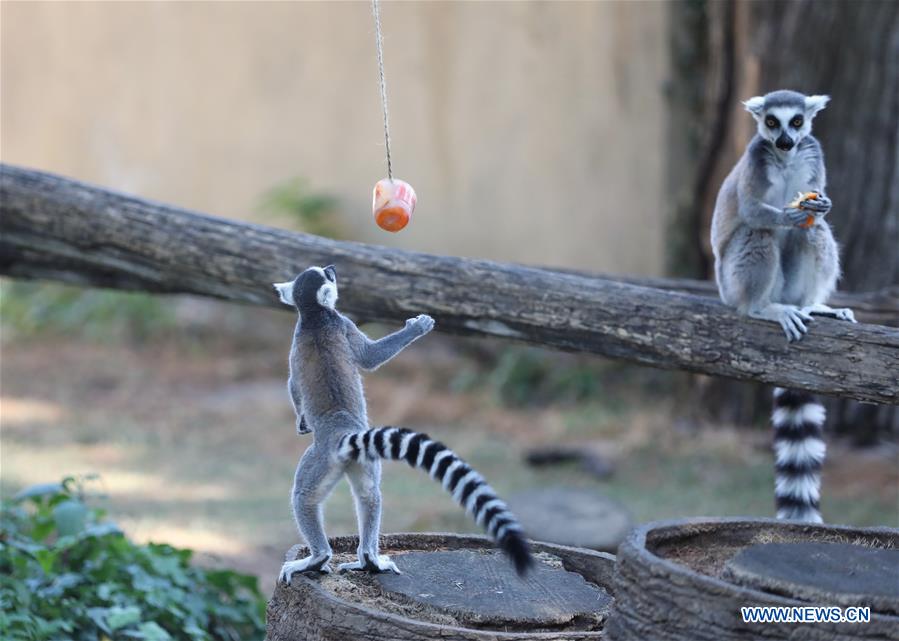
[850,50]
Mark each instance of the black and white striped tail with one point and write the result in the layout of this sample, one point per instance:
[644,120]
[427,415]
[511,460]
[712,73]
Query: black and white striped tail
[799,451]
[466,485]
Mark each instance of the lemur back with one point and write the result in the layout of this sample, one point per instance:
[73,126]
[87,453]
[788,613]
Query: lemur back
[771,264]
[326,390]
[326,376]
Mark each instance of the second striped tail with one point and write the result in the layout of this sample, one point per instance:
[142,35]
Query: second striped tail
[799,451]
[466,485]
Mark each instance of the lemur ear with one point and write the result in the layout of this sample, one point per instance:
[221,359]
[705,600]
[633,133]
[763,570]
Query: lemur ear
[330,273]
[754,106]
[814,104]
[285,292]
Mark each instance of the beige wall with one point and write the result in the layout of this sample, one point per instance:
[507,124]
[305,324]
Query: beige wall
[531,131]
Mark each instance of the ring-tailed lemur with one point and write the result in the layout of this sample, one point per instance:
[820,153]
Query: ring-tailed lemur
[769,265]
[326,389]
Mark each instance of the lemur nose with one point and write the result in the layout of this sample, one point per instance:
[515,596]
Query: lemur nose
[784,143]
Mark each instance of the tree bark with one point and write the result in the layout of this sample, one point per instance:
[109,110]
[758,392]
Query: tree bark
[62,229]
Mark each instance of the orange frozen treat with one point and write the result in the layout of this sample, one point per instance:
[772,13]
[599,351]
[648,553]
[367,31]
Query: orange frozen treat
[393,202]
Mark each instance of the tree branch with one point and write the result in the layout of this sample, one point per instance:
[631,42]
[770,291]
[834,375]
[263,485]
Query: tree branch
[61,229]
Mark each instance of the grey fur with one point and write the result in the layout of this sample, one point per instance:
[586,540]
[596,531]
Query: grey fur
[766,264]
[326,391]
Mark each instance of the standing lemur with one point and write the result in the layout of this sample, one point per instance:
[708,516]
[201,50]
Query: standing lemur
[326,389]
[769,265]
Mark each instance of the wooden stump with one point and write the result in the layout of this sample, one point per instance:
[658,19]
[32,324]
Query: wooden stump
[453,588]
[687,580]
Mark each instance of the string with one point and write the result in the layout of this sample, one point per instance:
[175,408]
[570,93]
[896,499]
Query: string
[376,11]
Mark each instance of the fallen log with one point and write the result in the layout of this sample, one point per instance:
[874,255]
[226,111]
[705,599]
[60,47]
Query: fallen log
[61,229]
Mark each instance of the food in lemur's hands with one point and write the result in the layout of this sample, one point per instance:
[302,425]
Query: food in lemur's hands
[326,390]
[800,203]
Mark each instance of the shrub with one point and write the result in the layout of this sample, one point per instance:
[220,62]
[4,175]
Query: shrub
[68,573]
[32,308]
[315,213]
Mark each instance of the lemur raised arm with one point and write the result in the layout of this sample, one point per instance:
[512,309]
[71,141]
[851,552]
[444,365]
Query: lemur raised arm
[769,265]
[326,390]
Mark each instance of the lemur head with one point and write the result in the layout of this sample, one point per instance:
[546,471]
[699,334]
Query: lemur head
[314,289]
[785,117]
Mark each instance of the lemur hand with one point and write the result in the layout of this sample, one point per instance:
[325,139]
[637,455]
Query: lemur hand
[820,206]
[421,324]
[797,217]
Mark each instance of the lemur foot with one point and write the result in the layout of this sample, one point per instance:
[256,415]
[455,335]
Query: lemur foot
[369,563]
[790,318]
[309,564]
[840,313]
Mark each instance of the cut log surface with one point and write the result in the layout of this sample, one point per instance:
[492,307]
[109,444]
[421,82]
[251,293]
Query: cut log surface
[61,229]
[834,573]
[481,589]
[454,588]
[672,583]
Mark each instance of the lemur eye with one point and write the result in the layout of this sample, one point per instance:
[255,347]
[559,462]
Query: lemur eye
[771,121]
[796,122]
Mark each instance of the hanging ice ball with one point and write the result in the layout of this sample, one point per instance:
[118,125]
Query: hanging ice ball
[392,204]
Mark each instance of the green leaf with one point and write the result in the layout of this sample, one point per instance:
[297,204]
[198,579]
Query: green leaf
[70,517]
[101,529]
[43,528]
[46,559]
[37,491]
[106,590]
[119,617]
[152,632]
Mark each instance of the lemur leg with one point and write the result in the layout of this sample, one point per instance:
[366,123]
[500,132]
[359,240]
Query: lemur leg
[817,272]
[751,279]
[315,477]
[365,481]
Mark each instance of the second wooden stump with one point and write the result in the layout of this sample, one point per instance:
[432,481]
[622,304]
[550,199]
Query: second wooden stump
[688,580]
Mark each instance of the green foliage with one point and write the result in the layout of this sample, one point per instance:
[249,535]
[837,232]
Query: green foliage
[314,213]
[29,308]
[530,376]
[68,573]
[521,376]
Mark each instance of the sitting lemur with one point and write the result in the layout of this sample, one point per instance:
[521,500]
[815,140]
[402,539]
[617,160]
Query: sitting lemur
[326,390]
[776,260]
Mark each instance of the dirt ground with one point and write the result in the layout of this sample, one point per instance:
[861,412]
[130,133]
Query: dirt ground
[194,439]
